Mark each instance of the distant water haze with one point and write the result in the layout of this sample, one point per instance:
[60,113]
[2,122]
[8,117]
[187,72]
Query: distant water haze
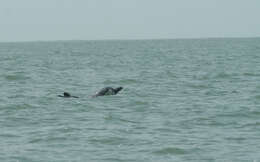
[31,20]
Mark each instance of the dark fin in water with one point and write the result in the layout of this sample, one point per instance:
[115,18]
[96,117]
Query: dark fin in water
[118,89]
[67,95]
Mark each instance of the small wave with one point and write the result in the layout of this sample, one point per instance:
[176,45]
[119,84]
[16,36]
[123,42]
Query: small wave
[106,82]
[37,140]
[19,106]
[171,150]
[56,139]
[114,159]
[136,103]
[251,74]
[204,76]
[255,124]
[128,121]
[235,139]
[222,75]
[199,86]
[122,81]
[214,92]
[138,106]
[16,77]
[128,81]
[255,113]
[9,135]
[257,96]
[233,115]
[68,130]
[109,140]
[112,118]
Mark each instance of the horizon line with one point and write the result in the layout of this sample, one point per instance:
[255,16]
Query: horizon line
[129,39]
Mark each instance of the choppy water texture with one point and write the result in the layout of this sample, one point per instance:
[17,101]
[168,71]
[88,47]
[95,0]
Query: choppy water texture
[183,100]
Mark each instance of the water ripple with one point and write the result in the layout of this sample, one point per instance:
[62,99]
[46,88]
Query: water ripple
[171,150]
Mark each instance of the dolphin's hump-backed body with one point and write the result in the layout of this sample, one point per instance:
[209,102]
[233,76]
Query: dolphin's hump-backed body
[108,91]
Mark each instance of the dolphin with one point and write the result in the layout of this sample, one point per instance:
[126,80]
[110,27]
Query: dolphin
[67,95]
[108,91]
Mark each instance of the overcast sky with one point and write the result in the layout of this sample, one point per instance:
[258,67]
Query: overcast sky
[28,20]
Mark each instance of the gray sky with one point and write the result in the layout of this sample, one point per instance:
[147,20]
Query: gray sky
[28,20]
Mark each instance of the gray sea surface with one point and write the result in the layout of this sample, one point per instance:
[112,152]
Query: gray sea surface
[183,100]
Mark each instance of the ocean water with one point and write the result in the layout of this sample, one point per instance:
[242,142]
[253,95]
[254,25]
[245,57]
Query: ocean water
[183,100]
